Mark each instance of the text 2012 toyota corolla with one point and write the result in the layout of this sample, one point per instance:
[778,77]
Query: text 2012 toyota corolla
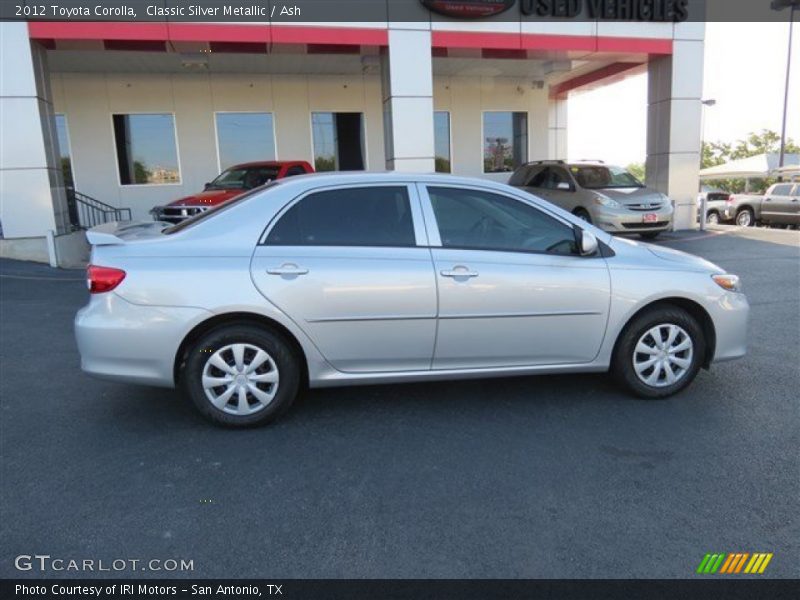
[375,278]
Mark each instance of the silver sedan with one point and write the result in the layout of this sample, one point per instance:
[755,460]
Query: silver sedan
[343,279]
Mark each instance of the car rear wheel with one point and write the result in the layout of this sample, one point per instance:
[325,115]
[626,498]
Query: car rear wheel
[241,375]
[659,353]
[582,213]
[745,218]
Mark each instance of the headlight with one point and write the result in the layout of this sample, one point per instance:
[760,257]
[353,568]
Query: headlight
[727,282]
[606,201]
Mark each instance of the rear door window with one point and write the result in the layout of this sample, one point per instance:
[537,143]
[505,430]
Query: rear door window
[359,216]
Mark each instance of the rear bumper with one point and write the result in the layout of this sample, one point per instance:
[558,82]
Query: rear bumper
[128,342]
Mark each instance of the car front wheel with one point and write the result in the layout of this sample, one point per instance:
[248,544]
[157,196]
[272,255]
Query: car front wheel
[659,353]
[241,375]
[713,218]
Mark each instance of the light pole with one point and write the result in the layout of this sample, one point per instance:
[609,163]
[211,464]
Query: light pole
[780,5]
[703,197]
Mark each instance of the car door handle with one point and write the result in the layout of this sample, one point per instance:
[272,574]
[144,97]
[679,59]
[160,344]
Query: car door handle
[459,272]
[288,269]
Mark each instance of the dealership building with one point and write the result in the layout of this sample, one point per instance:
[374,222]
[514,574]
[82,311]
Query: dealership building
[138,114]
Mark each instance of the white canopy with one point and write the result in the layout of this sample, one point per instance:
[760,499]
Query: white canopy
[761,165]
[788,171]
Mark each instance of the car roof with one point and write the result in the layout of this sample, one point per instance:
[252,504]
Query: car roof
[267,163]
[332,178]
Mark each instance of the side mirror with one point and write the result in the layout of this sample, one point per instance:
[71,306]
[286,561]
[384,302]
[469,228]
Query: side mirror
[206,185]
[587,243]
[564,186]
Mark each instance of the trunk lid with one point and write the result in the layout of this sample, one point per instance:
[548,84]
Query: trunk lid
[123,232]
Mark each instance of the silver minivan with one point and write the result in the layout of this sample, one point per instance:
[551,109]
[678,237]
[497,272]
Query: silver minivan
[609,197]
[342,279]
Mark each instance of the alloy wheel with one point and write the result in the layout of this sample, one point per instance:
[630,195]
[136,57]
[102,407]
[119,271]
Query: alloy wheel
[712,219]
[240,379]
[743,219]
[663,355]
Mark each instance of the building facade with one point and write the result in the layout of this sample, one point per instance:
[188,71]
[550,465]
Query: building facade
[140,114]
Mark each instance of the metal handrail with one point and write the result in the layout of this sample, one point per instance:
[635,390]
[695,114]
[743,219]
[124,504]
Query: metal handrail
[85,212]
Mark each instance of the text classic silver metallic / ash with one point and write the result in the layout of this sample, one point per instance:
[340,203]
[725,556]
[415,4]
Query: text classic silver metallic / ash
[342,279]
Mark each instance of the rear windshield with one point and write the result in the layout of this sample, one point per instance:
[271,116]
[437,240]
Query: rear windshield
[601,177]
[245,178]
[214,210]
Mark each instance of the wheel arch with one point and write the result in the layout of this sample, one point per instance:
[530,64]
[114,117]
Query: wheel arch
[693,308]
[233,318]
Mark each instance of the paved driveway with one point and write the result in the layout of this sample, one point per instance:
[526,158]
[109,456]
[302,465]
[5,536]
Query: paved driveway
[559,476]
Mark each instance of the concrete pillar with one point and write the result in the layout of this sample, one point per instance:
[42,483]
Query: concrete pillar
[407,85]
[32,199]
[675,86]
[557,129]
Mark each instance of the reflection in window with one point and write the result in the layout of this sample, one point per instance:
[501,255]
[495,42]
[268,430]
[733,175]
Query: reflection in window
[338,141]
[244,137]
[441,140]
[146,151]
[64,150]
[486,221]
[505,141]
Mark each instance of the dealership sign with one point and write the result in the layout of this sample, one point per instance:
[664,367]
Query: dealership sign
[611,10]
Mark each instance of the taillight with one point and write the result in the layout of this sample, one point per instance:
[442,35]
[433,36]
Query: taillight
[730,199]
[103,279]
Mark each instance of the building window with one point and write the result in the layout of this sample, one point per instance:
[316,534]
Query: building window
[441,140]
[338,141]
[64,150]
[244,137]
[505,141]
[146,149]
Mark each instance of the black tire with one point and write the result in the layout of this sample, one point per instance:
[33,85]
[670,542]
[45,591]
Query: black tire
[582,213]
[650,235]
[280,351]
[713,218]
[750,216]
[622,366]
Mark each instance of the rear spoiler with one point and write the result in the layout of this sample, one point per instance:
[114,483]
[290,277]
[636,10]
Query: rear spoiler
[121,232]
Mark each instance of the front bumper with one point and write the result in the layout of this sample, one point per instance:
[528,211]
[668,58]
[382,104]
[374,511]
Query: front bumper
[133,343]
[622,220]
[176,214]
[730,314]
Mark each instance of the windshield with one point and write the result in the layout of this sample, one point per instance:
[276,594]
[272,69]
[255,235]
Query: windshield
[243,179]
[202,216]
[597,177]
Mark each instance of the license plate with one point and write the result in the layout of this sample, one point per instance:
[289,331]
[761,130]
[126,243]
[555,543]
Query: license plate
[650,218]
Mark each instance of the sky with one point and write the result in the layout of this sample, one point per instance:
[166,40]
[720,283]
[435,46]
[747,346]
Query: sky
[745,71]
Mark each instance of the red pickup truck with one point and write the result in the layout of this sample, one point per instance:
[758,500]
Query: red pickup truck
[231,182]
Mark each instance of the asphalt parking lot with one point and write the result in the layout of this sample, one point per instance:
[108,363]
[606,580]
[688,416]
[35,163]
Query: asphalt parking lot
[545,477]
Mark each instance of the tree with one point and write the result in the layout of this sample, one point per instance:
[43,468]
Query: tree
[764,142]
[637,170]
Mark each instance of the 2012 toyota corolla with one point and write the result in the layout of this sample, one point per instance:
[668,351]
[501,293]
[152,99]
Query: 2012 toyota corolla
[342,279]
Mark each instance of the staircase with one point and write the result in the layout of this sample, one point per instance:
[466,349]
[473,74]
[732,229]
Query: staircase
[85,212]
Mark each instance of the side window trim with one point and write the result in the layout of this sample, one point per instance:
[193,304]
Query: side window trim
[420,237]
[432,225]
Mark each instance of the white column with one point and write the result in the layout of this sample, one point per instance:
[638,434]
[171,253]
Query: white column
[675,86]
[407,78]
[32,199]
[557,129]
